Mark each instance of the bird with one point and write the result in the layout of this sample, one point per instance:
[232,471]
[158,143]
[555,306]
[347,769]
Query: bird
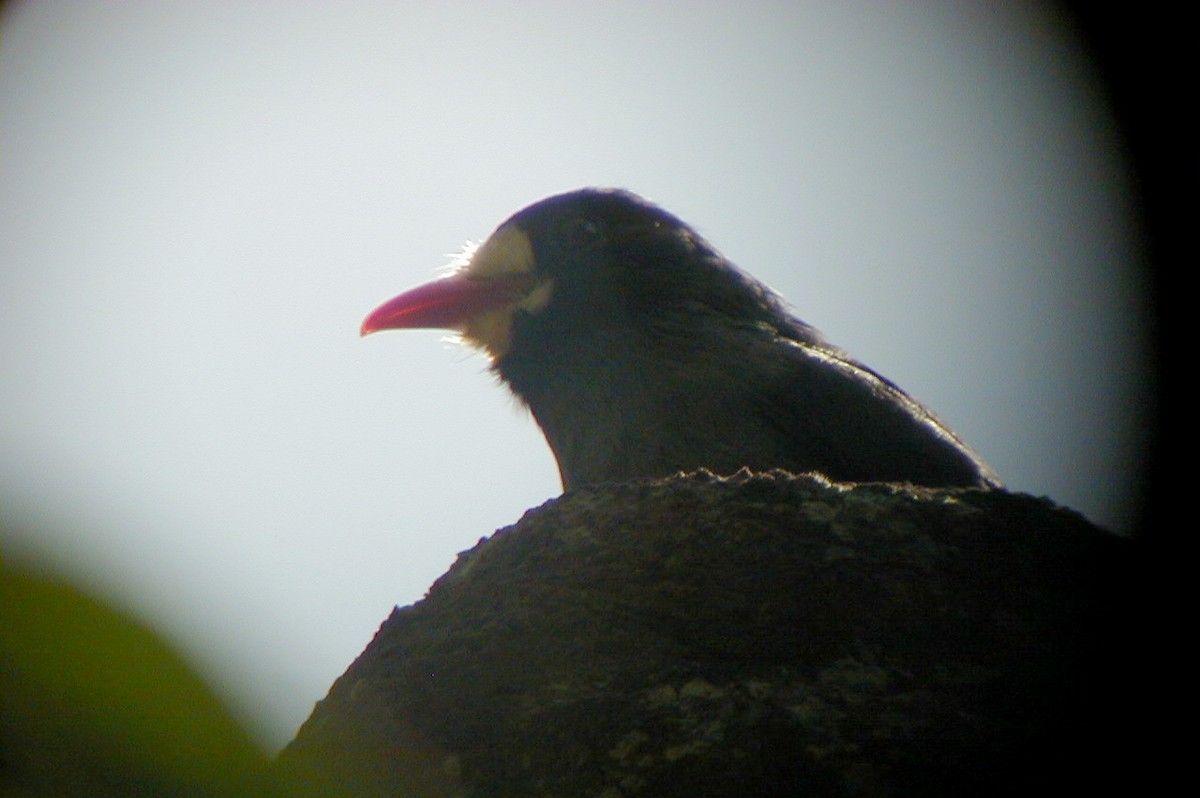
[641,352]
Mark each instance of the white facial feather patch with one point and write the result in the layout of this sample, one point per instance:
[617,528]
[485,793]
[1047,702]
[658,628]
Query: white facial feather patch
[507,252]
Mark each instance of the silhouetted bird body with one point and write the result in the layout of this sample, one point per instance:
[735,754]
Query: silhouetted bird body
[641,351]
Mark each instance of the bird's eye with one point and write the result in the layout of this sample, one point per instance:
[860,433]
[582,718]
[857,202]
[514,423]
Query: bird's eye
[583,229]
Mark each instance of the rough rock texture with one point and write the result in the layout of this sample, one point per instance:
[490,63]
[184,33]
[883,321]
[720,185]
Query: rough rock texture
[759,635]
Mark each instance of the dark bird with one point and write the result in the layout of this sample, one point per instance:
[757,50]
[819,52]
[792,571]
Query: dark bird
[641,351]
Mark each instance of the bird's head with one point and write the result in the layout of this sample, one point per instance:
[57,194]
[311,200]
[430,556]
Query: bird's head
[590,268]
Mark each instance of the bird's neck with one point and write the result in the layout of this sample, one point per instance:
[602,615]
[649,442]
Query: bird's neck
[590,408]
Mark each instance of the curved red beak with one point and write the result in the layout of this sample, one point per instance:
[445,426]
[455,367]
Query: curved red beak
[448,303]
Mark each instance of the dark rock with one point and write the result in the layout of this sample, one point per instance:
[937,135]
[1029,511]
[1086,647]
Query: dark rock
[761,635]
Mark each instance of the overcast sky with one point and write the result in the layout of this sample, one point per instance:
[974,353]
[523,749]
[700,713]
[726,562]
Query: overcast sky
[199,202]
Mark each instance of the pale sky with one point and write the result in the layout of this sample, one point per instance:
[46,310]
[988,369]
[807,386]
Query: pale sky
[199,202]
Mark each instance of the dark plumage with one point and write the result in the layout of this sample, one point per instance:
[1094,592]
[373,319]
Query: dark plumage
[642,351]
